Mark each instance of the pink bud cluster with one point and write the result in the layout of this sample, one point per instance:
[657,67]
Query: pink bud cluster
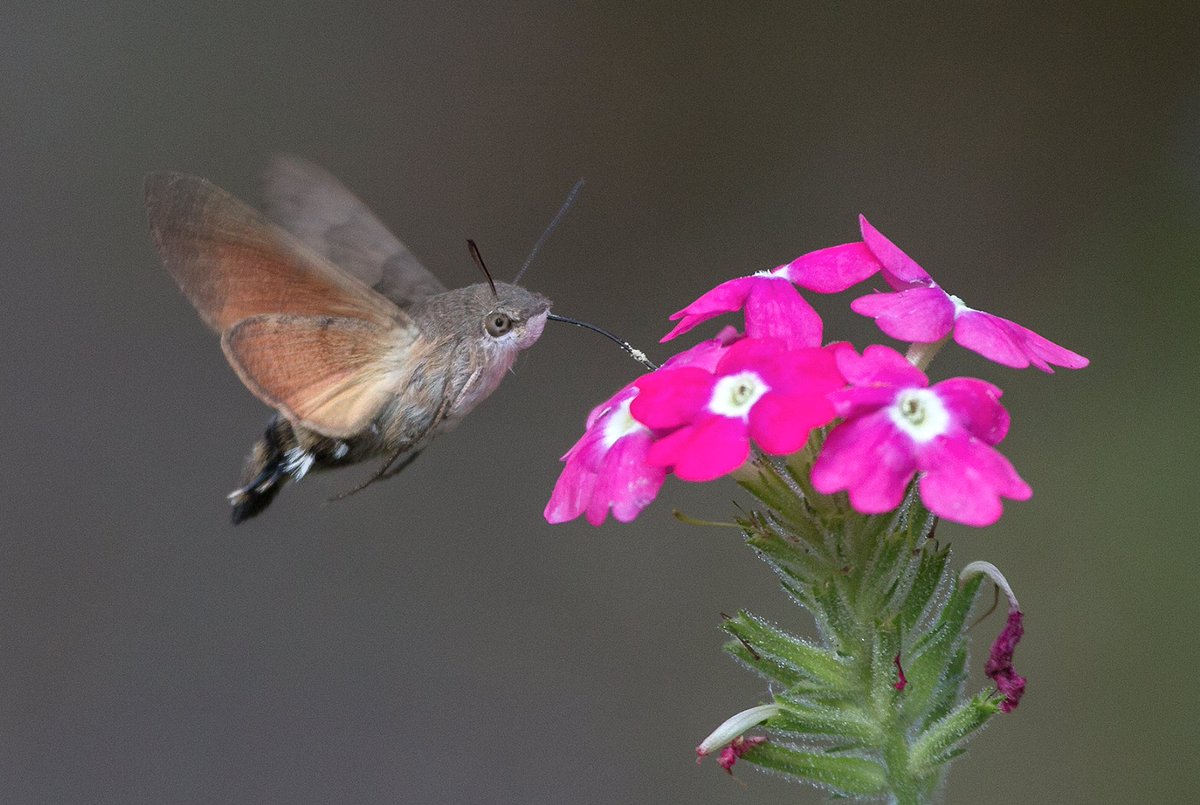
[699,415]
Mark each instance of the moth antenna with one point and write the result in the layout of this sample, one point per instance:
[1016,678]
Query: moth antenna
[478,258]
[558,216]
[634,353]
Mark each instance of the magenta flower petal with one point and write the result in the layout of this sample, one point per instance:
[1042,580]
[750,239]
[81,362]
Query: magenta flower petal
[917,314]
[813,372]
[626,481]
[714,446]
[870,459]
[1009,344]
[607,468]
[775,309]
[964,480]
[861,400]
[1043,351]
[667,450]
[988,335]
[572,492]
[786,368]
[725,298]
[976,406]
[720,446]
[750,354]
[781,423]
[834,269]
[879,365]
[706,354]
[900,270]
[672,397]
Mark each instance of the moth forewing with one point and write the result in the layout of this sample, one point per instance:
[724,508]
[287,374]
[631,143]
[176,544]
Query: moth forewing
[313,205]
[233,264]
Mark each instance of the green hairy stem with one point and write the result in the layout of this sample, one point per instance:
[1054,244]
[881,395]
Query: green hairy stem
[884,601]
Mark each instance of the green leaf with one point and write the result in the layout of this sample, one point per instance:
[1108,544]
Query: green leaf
[930,570]
[930,659]
[846,722]
[766,485]
[882,575]
[852,776]
[946,736]
[765,666]
[915,519]
[787,504]
[885,647]
[796,658]
[797,555]
[800,591]
[949,689]
[827,508]
[835,616]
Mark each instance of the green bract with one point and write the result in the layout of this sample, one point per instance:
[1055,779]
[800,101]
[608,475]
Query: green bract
[883,597]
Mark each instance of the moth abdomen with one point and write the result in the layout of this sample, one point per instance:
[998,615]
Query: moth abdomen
[287,453]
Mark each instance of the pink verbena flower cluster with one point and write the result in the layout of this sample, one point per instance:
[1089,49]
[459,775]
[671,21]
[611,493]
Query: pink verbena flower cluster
[698,415]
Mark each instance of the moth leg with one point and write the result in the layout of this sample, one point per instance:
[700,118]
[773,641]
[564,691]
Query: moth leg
[396,470]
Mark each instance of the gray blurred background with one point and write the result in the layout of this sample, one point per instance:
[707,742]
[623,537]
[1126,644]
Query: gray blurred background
[433,640]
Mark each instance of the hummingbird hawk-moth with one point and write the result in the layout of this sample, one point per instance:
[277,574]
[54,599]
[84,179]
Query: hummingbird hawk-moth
[329,319]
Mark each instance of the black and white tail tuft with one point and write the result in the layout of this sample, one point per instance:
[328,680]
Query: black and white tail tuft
[267,470]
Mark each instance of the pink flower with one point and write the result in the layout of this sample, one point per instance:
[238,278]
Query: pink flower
[896,426]
[774,309]
[607,467]
[773,306]
[760,388]
[922,312]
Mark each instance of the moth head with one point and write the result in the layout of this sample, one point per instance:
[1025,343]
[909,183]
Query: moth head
[515,317]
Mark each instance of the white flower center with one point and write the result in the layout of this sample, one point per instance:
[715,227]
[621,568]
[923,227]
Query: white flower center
[920,414]
[735,395]
[960,307]
[779,273]
[620,423]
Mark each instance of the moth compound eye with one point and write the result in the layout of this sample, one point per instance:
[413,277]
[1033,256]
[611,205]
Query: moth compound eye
[498,324]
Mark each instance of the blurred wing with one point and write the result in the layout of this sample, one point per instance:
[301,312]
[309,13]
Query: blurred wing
[233,264]
[331,375]
[315,207]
